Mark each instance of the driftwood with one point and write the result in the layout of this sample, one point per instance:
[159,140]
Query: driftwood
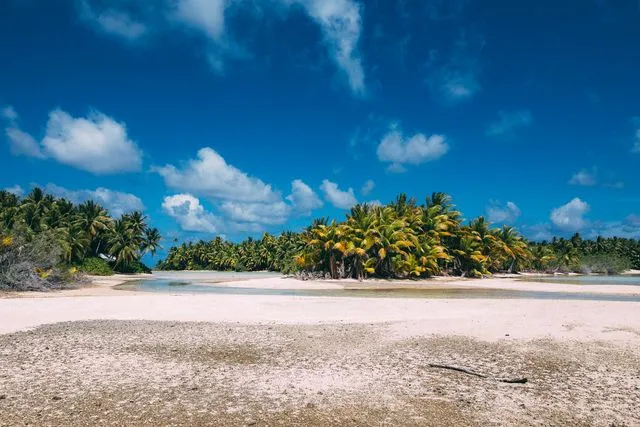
[476,374]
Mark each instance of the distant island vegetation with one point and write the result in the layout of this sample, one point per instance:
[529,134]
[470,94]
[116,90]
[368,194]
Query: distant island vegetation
[406,240]
[48,242]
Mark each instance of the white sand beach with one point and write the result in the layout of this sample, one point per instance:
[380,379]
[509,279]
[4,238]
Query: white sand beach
[99,356]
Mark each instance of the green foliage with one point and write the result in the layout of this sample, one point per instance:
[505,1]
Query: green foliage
[31,262]
[132,267]
[604,264]
[96,267]
[79,233]
[269,253]
[405,240]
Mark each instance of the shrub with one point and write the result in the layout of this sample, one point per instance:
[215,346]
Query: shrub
[29,264]
[604,264]
[133,267]
[96,266]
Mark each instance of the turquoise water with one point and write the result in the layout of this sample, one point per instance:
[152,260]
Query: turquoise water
[631,280]
[175,286]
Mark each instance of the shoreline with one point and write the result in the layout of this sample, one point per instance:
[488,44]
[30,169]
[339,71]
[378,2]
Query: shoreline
[117,284]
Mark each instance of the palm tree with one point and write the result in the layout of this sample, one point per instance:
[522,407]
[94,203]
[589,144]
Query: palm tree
[151,241]
[123,244]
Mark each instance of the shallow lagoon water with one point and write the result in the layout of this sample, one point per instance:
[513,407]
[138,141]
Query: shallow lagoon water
[175,285]
[631,280]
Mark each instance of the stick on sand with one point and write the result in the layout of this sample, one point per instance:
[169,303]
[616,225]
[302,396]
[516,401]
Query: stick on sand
[476,374]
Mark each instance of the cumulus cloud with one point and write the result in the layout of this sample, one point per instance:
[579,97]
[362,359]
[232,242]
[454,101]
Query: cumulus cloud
[115,202]
[585,177]
[508,123]
[570,217]
[16,189]
[190,214]
[211,176]
[244,202]
[398,150]
[368,187]
[114,22]
[258,213]
[96,144]
[303,198]
[503,214]
[338,198]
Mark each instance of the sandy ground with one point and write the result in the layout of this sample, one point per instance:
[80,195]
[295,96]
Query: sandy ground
[136,358]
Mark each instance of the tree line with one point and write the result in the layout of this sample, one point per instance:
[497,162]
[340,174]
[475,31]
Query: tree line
[60,235]
[405,239]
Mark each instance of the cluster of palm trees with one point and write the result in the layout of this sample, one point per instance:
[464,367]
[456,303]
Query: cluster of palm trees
[269,253]
[572,253]
[83,230]
[402,240]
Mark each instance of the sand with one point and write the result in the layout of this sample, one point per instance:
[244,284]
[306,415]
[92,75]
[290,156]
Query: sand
[135,358]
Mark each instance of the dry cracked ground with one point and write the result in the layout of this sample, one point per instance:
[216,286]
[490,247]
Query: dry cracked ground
[161,373]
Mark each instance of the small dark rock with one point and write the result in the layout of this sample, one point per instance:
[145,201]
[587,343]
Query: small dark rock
[56,398]
[194,388]
[522,405]
[311,405]
[3,396]
[506,335]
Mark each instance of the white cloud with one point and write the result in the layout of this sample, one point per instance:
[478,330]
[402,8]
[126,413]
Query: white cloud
[341,24]
[258,213]
[190,214]
[97,143]
[398,150]
[16,189]
[211,176]
[244,203]
[23,144]
[115,202]
[9,113]
[303,198]
[507,214]
[570,217]
[368,187]
[338,198]
[585,177]
[507,123]
[115,22]
[204,15]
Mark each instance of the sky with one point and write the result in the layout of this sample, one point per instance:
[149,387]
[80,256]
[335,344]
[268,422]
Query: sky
[236,117]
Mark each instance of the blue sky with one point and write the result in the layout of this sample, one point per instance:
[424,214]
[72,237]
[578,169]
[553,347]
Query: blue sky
[232,117]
